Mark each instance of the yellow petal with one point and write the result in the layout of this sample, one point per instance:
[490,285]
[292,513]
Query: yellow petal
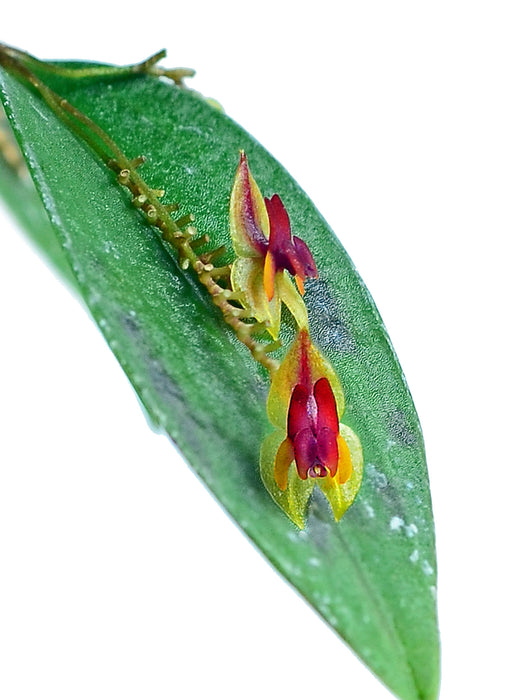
[344,465]
[269,275]
[283,459]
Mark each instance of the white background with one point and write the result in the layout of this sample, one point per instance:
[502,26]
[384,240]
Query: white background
[120,577]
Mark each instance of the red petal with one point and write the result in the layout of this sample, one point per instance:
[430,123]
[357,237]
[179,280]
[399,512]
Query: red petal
[292,256]
[305,451]
[280,242]
[280,232]
[306,263]
[298,418]
[327,450]
[327,410]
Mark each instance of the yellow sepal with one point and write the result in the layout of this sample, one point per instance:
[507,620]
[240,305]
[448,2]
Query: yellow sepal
[247,211]
[294,498]
[247,278]
[288,375]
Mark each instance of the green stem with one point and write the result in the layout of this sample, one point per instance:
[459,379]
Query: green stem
[147,67]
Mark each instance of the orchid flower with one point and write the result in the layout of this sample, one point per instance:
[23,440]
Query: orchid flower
[266,252]
[310,446]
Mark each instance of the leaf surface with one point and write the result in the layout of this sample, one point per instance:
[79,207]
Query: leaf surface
[18,191]
[372,577]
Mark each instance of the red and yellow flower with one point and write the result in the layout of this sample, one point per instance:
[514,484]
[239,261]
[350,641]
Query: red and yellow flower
[310,446]
[267,254]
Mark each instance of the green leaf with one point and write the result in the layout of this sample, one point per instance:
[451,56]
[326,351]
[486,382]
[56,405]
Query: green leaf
[18,191]
[372,576]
